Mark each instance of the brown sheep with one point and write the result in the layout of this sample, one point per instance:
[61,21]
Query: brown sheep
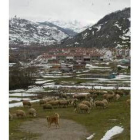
[82,107]
[20,113]
[117,97]
[86,103]
[42,102]
[26,103]
[64,103]
[105,101]
[80,97]
[128,102]
[105,95]
[47,106]
[110,97]
[32,112]
[100,104]
[53,102]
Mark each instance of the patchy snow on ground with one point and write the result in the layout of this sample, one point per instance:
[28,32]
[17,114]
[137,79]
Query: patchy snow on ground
[17,90]
[87,87]
[91,137]
[95,67]
[20,104]
[122,77]
[112,132]
[65,76]
[35,89]
[40,82]
[17,99]
[11,64]
[21,94]
[52,83]
[125,67]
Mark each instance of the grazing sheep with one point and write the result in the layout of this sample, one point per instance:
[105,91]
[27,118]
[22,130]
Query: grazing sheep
[42,102]
[47,106]
[105,95]
[26,103]
[74,103]
[53,102]
[64,103]
[82,107]
[91,101]
[128,101]
[120,92]
[105,101]
[100,104]
[110,97]
[86,103]
[80,97]
[117,97]
[20,113]
[32,112]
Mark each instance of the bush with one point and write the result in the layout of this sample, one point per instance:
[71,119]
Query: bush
[21,77]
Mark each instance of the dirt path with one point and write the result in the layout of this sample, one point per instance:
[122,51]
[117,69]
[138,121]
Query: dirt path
[69,130]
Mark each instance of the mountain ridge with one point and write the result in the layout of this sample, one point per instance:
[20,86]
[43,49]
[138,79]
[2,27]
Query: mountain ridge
[113,30]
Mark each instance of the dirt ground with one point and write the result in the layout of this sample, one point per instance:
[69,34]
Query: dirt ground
[69,130]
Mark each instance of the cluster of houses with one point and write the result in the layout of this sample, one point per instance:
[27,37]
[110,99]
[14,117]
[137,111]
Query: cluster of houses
[82,55]
[72,54]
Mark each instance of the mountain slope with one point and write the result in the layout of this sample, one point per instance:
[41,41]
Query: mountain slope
[68,31]
[75,25]
[25,32]
[113,30]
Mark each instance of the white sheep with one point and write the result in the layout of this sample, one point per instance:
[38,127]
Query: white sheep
[32,112]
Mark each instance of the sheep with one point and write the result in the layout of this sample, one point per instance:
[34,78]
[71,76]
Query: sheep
[105,95]
[74,103]
[109,97]
[26,103]
[86,103]
[32,112]
[64,103]
[53,102]
[120,92]
[47,106]
[91,101]
[117,97]
[82,107]
[20,113]
[105,101]
[128,101]
[80,97]
[100,103]
[42,102]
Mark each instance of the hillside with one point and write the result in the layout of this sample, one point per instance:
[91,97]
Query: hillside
[22,31]
[113,30]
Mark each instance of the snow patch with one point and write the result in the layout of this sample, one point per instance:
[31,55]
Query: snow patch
[112,132]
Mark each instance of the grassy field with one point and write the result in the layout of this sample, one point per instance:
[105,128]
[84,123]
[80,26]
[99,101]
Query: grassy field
[98,121]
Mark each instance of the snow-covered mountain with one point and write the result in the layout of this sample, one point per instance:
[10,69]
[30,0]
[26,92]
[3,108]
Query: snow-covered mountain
[113,30]
[74,25]
[22,31]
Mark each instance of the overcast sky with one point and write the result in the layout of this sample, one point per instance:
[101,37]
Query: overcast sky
[86,11]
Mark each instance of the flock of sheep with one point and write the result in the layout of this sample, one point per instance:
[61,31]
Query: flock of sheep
[82,103]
